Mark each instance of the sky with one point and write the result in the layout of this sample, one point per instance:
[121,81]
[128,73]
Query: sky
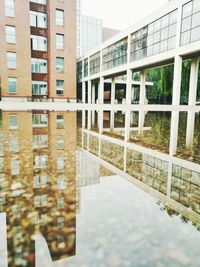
[120,14]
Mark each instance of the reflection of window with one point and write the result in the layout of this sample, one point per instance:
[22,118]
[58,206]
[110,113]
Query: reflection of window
[41,161]
[60,163]
[60,203]
[15,168]
[61,182]
[40,120]
[60,143]
[13,122]
[12,85]
[14,144]
[1,164]
[60,222]
[40,201]
[40,181]
[60,121]
[16,210]
[40,141]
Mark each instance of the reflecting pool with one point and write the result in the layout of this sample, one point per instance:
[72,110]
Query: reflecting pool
[99,188]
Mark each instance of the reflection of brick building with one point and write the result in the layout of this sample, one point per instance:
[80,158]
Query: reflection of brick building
[39,183]
[40,60]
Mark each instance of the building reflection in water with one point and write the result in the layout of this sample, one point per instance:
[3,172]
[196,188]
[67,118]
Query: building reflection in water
[38,183]
[42,170]
[172,180]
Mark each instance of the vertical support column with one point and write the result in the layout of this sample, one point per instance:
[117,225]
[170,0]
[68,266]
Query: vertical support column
[190,129]
[83,92]
[129,86]
[177,80]
[113,91]
[100,121]
[193,81]
[101,90]
[112,120]
[127,126]
[141,121]
[143,88]
[89,91]
[93,102]
[89,120]
[174,133]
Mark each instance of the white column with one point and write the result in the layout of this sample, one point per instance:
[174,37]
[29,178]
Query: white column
[89,91]
[83,92]
[101,90]
[174,133]
[190,129]
[193,81]
[142,114]
[93,102]
[113,92]
[177,80]
[89,120]
[100,121]
[143,88]
[127,126]
[129,86]
[112,120]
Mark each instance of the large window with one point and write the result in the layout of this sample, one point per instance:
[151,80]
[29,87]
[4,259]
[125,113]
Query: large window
[10,8]
[190,29]
[155,38]
[40,141]
[11,60]
[10,34]
[59,87]
[38,43]
[13,122]
[41,161]
[115,55]
[59,17]
[39,88]
[40,120]
[38,19]
[60,41]
[39,65]
[60,64]
[12,85]
[95,63]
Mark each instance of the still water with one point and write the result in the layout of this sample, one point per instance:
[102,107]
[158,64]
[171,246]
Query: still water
[99,189]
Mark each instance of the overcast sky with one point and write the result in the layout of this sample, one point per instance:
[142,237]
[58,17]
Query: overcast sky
[120,14]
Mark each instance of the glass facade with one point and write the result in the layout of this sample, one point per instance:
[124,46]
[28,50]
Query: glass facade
[115,55]
[86,67]
[190,28]
[79,70]
[95,63]
[155,38]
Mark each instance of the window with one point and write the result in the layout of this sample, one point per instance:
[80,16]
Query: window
[14,144]
[62,183]
[39,88]
[59,87]
[40,120]
[60,64]
[60,163]
[40,181]
[60,41]
[10,34]
[11,60]
[9,8]
[41,161]
[38,43]
[12,85]
[15,168]
[60,143]
[40,141]
[60,121]
[59,17]
[13,122]
[39,65]
[40,200]
[38,19]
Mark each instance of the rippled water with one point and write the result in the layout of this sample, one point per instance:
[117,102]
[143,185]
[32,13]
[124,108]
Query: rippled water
[75,194]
